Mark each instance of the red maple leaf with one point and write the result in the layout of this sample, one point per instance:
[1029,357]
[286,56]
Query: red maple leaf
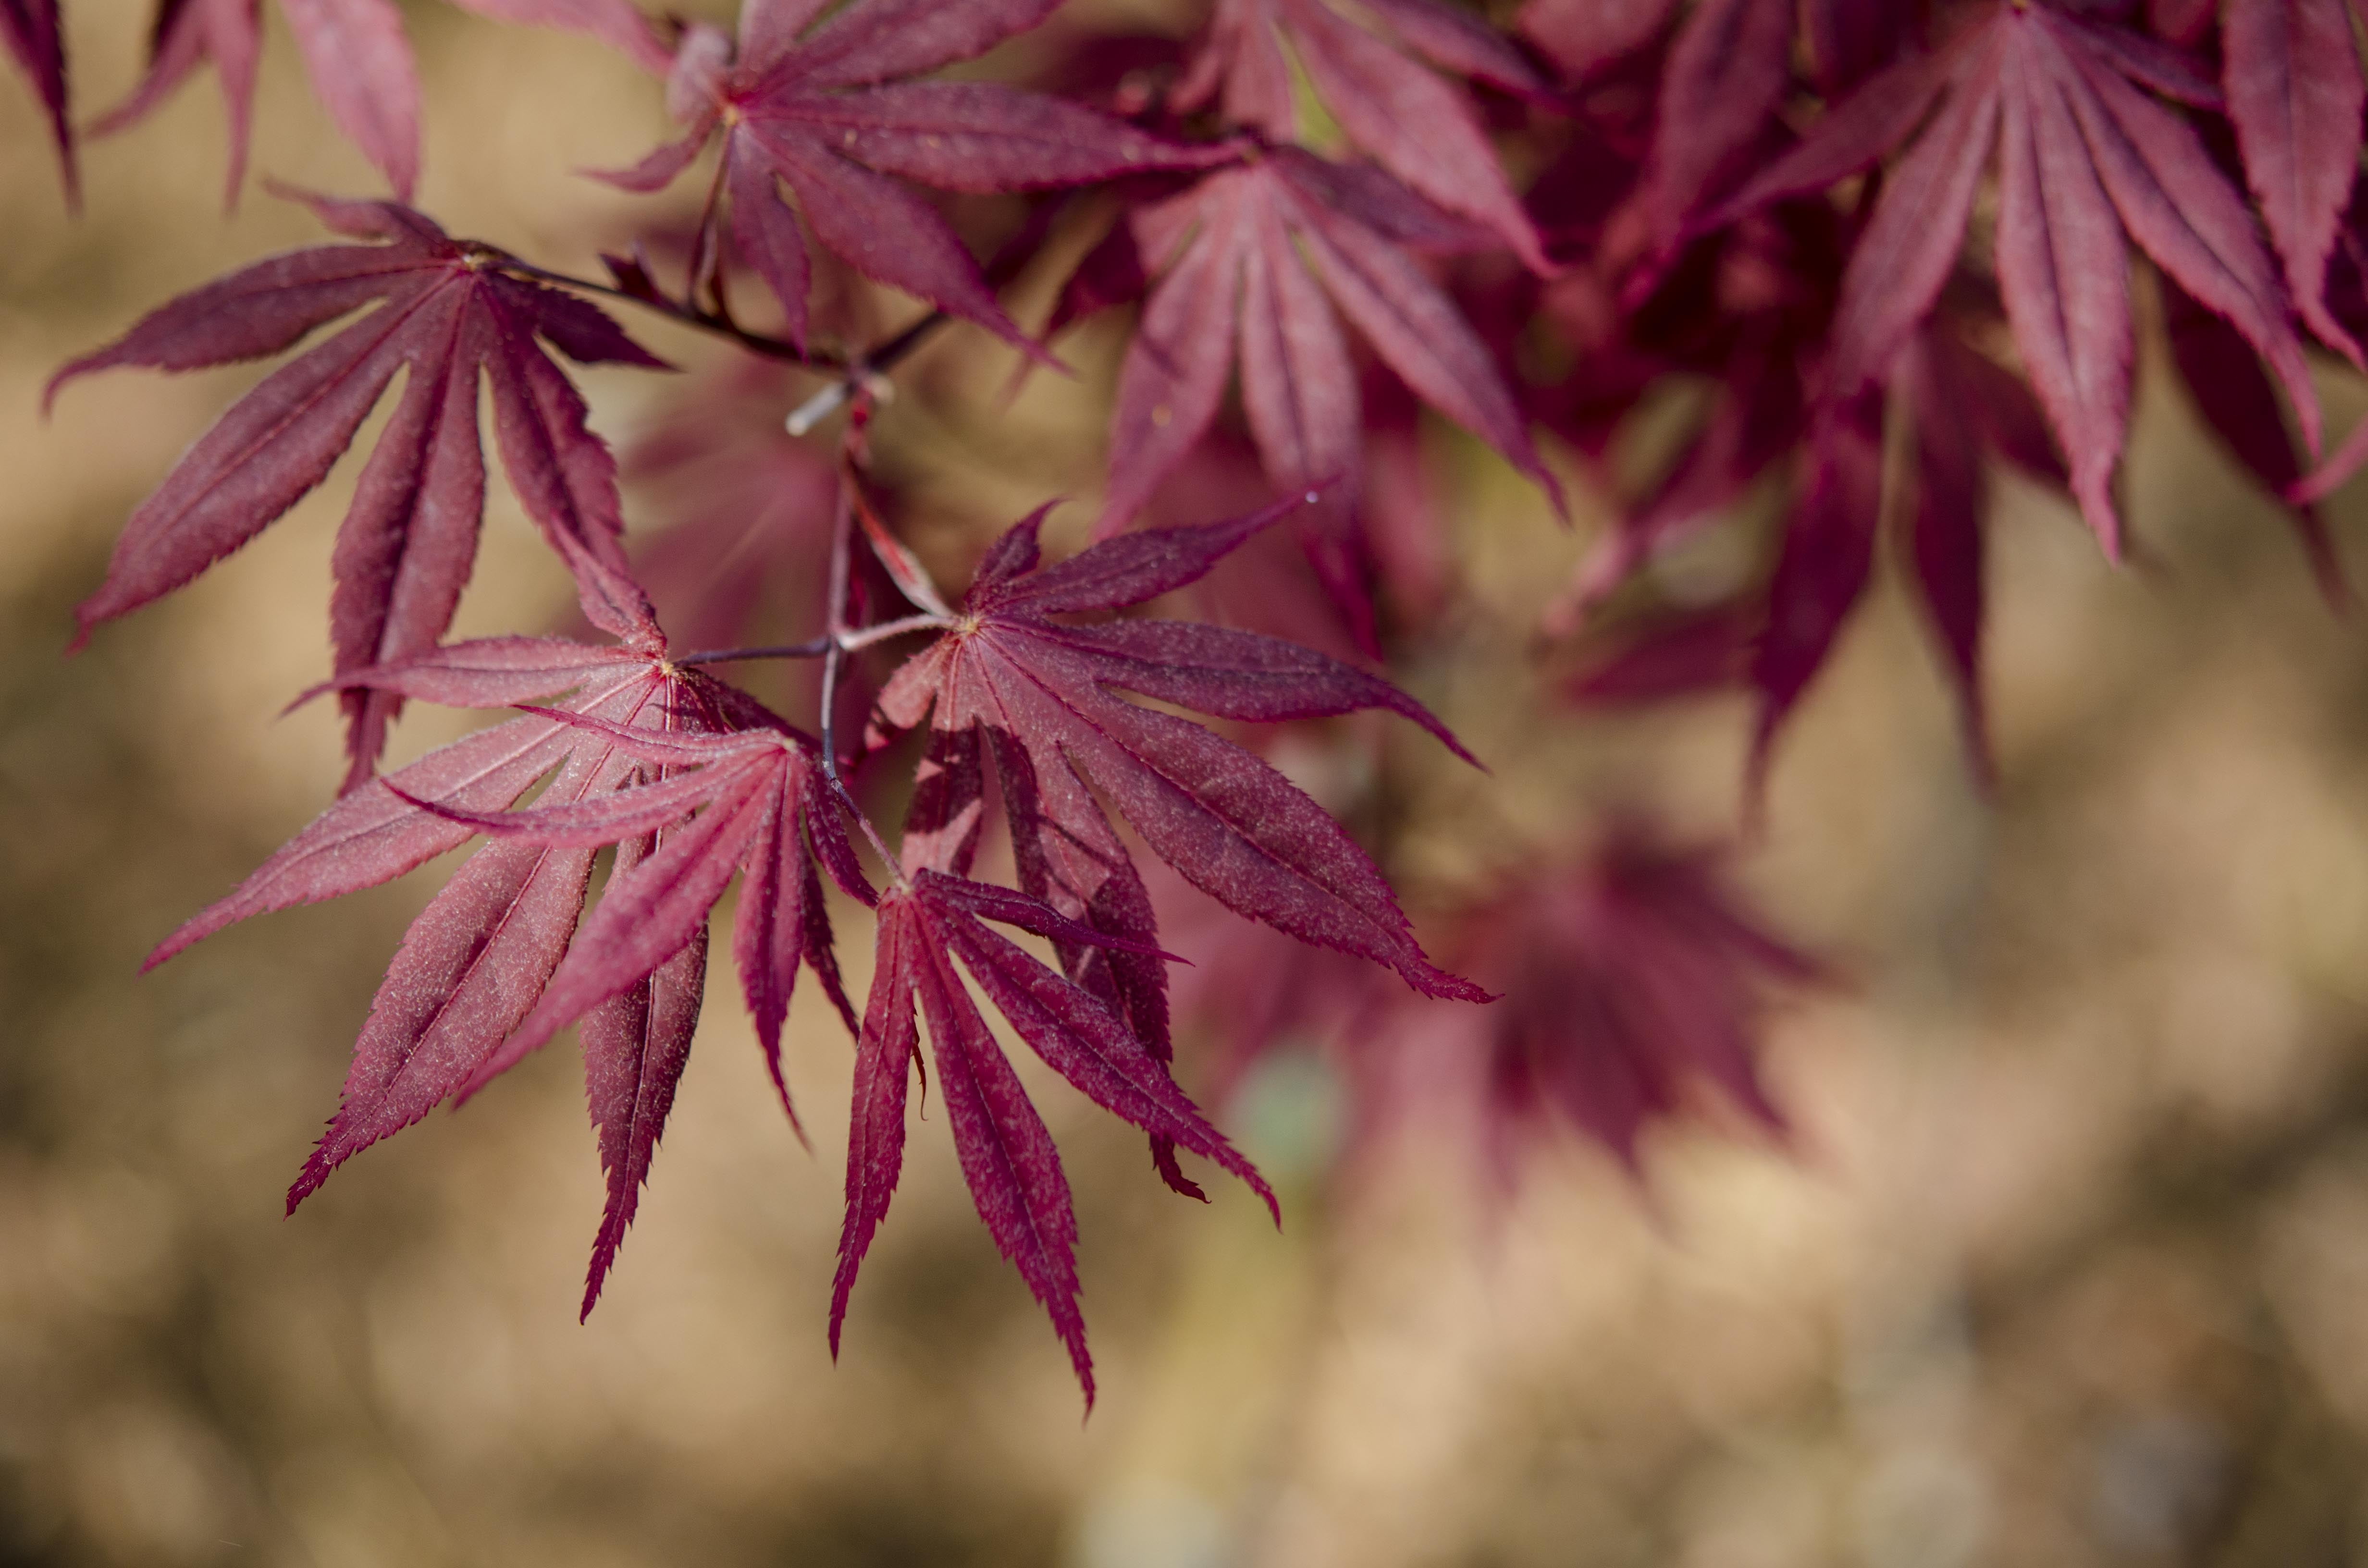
[449,312]
[1393,108]
[1719,78]
[475,961]
[357,58]
[2240,406]
[2292,74]
[760,799]
[1006,682]
[30,31]
[1267,256]
[829,117]
[928,921]
[1631,977]
[1628,980]
[1583,38]
[1959,408]
[2088,160]
[634,972]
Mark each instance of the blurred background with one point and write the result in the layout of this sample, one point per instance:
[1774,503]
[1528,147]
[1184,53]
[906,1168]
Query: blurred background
[2066,1261]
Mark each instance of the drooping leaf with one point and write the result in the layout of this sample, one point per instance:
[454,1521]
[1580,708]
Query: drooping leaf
[1044,690]
[1256,241]
[1829,550]
[31,32]
[1630,980]
[448,315]
[1725,74]
[356,56]
[1396,111]
[2292,73]
[2088,161]
[479,956]
[823,112]
[2241,407]
[1008,1158]
[1945,526]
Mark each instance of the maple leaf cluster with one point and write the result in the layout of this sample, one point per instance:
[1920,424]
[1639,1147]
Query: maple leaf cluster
[1895,243]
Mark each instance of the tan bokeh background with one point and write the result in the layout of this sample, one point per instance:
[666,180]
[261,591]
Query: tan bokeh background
[2069,1265]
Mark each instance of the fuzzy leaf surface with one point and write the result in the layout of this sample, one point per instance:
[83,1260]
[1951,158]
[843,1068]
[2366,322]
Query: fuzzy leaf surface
[1272,255]
[824,113]
[1008,1158]
[1396,108]
[1043,691]
[2089,159]
[35,40]
[447,317]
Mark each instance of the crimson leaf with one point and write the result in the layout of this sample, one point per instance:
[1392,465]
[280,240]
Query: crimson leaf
[2087,161]
[756,793]
[360,62]
[448,314]
[1039,695]
[828,117]
[1395,109]
[30,30]
[2292,73]
[1263,256]
[476,959]
[1008,1158]
[1626,978]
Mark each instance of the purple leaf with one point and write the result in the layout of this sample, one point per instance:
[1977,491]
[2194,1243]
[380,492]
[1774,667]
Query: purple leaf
[1725,75]
[448,314]
[34,38]
[2293,78]
[1225,820]
[1829,548]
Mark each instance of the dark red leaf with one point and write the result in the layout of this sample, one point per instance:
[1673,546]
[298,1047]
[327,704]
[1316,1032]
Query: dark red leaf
[1829,550]
[448,315]
[1944,527]
[2088,162]
[30,31]
[1008,1158]
[1230,823]
[1396,111]
[1678,655]
[2295,93]
[1582,37]
[825,117]
[2239,405]
[1725,75]
[1249,237]
[478,956]
[1628,980]
[1849,40]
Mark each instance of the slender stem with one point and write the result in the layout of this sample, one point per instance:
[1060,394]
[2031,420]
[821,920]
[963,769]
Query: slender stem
[754,342]
[814,649]
[841,532]
[835,630]
[860,373]
[927,622]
